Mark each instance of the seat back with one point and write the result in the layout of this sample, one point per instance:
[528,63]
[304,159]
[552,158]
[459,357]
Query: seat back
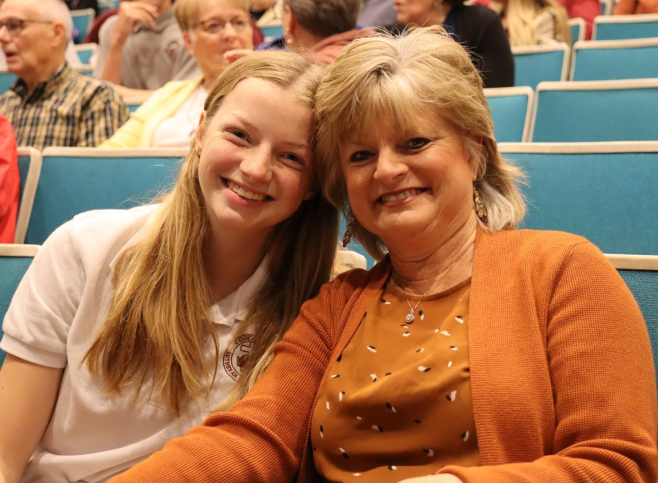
[539,63]
[602,191]
[29,167]
[577,27]
[86,52]
[75,180]
[595,111]
[6,81]
[640,272]
[623,27]
[82,21]
[133,102]
[511,110]
[615,59]
[14,262]
[606,7]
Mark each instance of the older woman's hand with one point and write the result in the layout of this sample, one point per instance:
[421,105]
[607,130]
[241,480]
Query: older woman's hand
[235,54]
[434,479]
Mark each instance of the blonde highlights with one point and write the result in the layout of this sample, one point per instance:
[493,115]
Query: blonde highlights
[401,80]
[158,325]
[521,16]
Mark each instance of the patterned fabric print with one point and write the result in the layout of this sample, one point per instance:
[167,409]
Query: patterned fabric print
[398,401]
[67,109]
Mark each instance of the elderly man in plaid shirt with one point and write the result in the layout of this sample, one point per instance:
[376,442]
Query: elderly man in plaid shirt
[50,104]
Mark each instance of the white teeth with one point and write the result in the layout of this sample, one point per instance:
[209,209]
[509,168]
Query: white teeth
[403,195]
[244,193]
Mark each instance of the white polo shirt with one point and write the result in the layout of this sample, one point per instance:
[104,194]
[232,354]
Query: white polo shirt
[54,317]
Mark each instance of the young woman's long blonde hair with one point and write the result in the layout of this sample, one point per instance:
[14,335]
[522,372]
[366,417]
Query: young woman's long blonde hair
[521,15]
[158,322]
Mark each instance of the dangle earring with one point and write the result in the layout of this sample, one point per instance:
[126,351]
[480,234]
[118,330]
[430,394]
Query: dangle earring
[348,233]
[286,36]
[480,209]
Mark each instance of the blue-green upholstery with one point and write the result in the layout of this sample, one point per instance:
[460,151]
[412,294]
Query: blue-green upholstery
[85,55]
[509,115]
[272,31]
[532,68]
[12,270]
[627,114]
[625,30]
[23,169]
[575,33]
[608,198]
[644,285]
[6,81]
[82,21]
[615,63]
[133,106]
[71,185]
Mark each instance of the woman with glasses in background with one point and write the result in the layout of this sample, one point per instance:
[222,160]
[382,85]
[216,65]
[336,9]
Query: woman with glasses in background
[211,29]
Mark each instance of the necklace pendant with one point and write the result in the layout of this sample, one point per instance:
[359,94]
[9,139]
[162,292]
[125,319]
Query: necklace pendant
[409,318]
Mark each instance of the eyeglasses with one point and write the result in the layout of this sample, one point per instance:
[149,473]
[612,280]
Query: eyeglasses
[214,26]
[15,26]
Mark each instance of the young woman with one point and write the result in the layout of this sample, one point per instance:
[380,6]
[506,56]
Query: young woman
[131,326]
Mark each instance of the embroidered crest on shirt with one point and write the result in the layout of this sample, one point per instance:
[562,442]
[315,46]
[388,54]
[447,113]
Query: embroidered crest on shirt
[235,356]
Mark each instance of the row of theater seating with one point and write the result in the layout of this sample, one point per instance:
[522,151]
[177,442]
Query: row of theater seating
[595,111]
[602,191]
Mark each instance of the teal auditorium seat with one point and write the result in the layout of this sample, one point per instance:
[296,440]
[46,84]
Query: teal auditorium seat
[511,110]
[82,21]
[614,60]
[29,168]
[86,52]
[641,275]
[596,111]
[602,191]
[535,64]
[623,27]
[272,31]
[14,262]
[74,180]
[577,27]
[606,7]
[6,81]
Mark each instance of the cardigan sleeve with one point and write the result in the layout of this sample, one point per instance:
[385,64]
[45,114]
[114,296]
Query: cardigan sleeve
[603,380]
[261,438]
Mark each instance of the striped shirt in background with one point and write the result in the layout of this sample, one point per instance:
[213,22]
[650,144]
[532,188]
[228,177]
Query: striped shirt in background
[67,109]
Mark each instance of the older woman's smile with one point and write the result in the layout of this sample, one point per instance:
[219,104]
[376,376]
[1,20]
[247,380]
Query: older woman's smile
[401,195]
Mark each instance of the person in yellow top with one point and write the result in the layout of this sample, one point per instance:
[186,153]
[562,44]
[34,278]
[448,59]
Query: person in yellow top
[169,118]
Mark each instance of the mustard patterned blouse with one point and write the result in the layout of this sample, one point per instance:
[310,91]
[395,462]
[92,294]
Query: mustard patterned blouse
[398,401]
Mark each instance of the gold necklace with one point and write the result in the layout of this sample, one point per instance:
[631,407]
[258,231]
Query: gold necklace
[409,319]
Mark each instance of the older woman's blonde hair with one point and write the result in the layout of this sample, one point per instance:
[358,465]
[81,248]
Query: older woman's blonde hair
[187,11]
[404,79]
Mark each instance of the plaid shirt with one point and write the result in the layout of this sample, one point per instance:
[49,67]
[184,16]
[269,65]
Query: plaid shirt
[67,109]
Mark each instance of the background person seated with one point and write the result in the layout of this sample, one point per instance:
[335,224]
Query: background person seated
[630,7]
[10,182]
[142,47]
[476,27]
[211,28]
[50,104]
[318,29]
[532,22]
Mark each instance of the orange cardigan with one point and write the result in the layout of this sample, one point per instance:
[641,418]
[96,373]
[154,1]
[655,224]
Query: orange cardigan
[631,7]
[561,373]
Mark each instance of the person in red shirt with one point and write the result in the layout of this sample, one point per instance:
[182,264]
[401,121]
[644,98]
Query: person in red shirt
[10,182]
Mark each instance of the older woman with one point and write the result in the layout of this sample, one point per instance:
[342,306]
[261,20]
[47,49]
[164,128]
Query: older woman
[211,29]
[476,27]
[473,352]
[318,29]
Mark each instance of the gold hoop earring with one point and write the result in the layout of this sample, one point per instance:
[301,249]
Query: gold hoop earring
[480,209]
[348,233]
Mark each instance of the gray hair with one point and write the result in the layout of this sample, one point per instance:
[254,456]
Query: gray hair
[55,11]
[325,18]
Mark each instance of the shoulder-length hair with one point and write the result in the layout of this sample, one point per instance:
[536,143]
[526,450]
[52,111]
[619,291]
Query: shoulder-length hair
[402,79]
[521,20]
[158,322]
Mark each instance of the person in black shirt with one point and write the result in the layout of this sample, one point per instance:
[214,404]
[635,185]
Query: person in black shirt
[476,27]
